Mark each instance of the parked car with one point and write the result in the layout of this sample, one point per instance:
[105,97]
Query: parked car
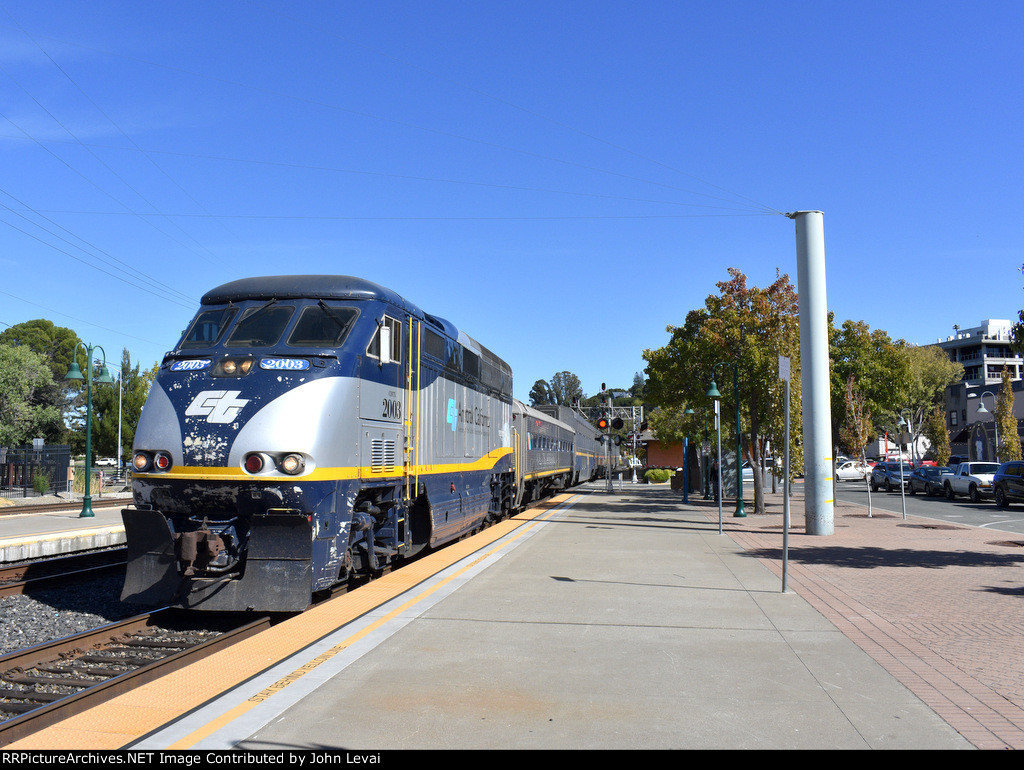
[105,462]
[971,479]
[1008,484]
[890,475]
[927,479]
[853,470]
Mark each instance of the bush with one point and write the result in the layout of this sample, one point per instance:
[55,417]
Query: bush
[657,475]
[41,483]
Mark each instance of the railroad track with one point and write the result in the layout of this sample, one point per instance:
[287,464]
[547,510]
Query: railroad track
[47,573]
[9,510]
[45,684]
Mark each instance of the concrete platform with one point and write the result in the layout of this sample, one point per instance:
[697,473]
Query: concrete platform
[33,535]
[616,621]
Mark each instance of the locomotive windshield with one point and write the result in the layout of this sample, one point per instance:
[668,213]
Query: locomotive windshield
[321,326]
[260,327]
[207,328]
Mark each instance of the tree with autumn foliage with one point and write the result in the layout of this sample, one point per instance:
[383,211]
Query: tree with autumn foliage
[749,327]
[1009,438]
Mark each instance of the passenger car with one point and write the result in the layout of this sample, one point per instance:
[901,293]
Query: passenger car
[853,470]
[927,479]
[1008,483]
[889,476]
[106,462]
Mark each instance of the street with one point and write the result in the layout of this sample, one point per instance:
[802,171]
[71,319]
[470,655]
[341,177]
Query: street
[959,511]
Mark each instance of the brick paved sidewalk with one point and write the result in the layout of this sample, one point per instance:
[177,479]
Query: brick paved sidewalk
[939,606]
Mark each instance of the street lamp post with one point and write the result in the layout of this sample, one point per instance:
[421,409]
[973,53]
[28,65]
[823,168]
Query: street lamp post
[905,420]
[995,421]
[713,393]
[75,375]
[686,461]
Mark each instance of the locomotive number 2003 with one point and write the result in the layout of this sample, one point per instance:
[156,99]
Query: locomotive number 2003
[392,409]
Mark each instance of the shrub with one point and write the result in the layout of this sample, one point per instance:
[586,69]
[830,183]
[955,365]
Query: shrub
[41,483]
[658,475]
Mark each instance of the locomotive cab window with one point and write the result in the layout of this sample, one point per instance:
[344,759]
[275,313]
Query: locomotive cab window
[389,338]
[260,327]
[207,328]
[322,326]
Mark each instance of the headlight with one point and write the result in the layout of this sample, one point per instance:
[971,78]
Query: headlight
[235,366]
[292,463]
[159,461]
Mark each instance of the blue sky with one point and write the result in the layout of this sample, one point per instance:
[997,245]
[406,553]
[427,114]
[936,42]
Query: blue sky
[562,180]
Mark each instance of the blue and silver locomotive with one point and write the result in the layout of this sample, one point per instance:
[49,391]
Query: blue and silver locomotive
[311,429]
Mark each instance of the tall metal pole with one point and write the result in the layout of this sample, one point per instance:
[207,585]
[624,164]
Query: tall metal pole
[75,375]
[819,505]
[740,511]
[718,432]
[784,372]
[87,500]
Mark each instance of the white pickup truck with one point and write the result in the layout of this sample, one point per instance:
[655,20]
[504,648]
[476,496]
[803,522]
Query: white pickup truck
[971,479]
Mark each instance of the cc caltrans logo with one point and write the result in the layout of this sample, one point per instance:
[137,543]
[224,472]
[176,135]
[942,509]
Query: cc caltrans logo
[219,406]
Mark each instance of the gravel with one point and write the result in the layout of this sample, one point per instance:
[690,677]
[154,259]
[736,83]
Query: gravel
[51,614]
[55,613]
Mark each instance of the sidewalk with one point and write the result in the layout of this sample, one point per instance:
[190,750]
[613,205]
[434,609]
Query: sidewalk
[939,606]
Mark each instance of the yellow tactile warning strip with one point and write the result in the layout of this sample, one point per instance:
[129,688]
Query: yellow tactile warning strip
[125,719]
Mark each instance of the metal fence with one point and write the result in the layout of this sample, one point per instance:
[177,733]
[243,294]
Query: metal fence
[29,471]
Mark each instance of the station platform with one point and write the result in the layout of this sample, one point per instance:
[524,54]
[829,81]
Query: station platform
[35,534]
[597,620]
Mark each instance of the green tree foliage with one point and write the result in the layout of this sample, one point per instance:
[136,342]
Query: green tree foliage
[56,344]
[931,372]
[540,393]
[748,326]
[566,388]
[134,387]
[1017,331]
[936,432]
[1009,438]
[880,374]
[27,410]
[857,427]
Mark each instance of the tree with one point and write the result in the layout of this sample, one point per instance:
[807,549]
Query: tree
[857,429]
[131,386]
[56,344]
[540,393]
[639,388]
[936,432]
[746,326]
[879,370]
[26,389]
[930,372]
[1009,438]
[1017,331]
[565,388]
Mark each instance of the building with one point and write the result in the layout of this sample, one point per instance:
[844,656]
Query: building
[983,351]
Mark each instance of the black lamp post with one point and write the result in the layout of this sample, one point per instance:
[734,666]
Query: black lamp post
[686,461]
[75,375]
[713,393]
